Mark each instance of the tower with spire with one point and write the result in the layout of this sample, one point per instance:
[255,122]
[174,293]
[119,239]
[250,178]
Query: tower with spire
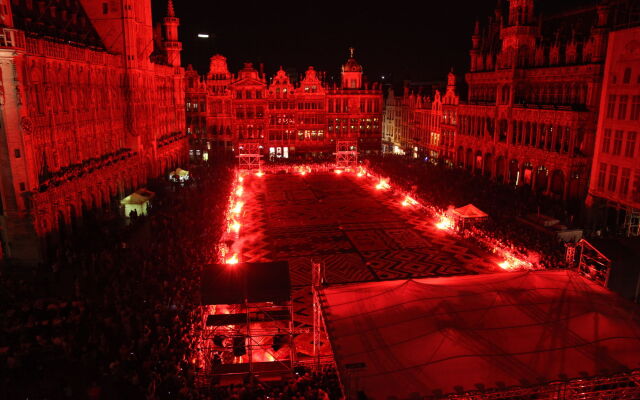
[521,12]
[519,35]
[351,72]
[171,45]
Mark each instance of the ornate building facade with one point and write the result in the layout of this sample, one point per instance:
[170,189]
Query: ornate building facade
[614,189]
[422,125]
[91,104]
[225,110]
[534,91]
[529,118]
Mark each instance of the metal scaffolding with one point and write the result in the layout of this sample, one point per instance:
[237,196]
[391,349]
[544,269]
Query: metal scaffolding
[249,157]
[592,264]
[252,338]
[317,278]
[621,386]
[632,223]
[346,154]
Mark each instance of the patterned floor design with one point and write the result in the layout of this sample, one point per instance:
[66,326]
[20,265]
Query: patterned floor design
[359,233]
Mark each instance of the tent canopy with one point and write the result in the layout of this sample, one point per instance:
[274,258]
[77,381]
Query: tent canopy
[180,172]
[468,212]
[441,335]
[140,196]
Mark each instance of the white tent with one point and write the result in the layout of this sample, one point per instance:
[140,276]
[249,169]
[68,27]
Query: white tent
[468,214]
[179,174]
[138,201]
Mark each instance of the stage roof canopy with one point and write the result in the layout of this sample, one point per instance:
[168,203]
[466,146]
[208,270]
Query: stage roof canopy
[255,282]
[447,335]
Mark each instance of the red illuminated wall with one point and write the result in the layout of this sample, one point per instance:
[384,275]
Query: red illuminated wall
[615,176]
[225,110]
[86,116]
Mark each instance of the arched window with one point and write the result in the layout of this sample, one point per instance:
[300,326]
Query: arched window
[627,76]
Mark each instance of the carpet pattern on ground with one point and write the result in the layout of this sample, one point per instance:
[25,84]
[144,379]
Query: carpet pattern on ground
[357,232]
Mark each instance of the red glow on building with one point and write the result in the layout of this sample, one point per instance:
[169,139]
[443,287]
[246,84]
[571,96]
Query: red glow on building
[287,117]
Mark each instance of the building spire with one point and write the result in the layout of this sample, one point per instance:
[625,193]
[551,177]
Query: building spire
[170,10]
[351,50]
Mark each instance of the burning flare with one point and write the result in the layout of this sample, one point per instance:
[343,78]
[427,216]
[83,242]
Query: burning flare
[237,208]
[233,259]
[235,226]
[383,184]
[239,191]
[512,263]
[444,223]
[506,265]
[408,201]
[259,174]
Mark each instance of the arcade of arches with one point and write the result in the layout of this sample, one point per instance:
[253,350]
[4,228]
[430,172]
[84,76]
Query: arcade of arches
[546,178]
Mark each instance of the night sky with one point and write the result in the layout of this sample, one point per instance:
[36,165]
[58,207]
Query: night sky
[399,39]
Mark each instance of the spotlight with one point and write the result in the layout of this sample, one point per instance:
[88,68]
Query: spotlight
[278,342]
[238,346]
[218,340]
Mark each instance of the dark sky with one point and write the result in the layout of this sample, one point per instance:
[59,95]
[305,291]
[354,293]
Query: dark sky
[416,40]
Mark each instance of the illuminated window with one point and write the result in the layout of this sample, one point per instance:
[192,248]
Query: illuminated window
[627,75]
[622,107]
[613,178]
[630,149]
[606,141]
[611,106]
[635,108]
[602,176]
[624,181]
[617,143]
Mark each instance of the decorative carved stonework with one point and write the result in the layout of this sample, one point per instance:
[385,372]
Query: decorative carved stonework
[26,124]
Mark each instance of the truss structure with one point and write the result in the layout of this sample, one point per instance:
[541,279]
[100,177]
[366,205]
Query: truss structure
[249,157]
[317,277]
[632,223]
[592,263]
[247,339]
[621,386]
[346,154]
[570,254]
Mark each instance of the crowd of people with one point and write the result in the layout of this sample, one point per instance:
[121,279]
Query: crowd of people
[306,385]
[110,316]
[446,187]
